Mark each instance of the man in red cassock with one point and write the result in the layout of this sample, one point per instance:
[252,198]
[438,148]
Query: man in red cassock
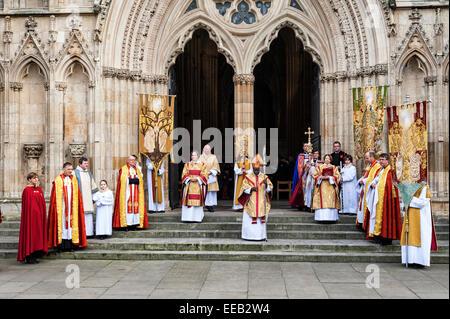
[66,223]
[385,221]
[33,234]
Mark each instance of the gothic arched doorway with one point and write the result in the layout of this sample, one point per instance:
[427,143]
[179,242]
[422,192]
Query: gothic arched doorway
[287,96]
[202,80]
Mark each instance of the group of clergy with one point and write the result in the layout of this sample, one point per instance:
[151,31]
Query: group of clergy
[331,187]
[70,219]
[327,188]
[319,186]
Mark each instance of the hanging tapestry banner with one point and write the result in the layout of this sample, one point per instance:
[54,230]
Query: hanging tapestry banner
[368,119]
[408,142]
[156,126]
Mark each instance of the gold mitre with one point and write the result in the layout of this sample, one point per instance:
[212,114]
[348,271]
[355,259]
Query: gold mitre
[257,161]
[243,143]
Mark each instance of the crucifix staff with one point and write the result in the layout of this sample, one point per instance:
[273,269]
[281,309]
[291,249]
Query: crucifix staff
[309,133]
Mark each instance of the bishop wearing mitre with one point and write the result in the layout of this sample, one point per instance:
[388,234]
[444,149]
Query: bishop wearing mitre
[254,196]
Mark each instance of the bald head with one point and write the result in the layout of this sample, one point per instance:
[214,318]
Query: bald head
[369,157]
[207,149]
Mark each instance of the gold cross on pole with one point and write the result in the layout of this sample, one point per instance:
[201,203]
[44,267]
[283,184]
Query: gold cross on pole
[309,133]
[310,146]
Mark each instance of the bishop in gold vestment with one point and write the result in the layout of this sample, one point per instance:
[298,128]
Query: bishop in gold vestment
[326,203]
[194,181]
[242,167]
[212,171]
[254,197]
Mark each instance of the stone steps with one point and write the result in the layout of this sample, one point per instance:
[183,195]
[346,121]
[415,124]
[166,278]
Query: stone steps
[235,234]
[197,244]
[278,256]
[292,236]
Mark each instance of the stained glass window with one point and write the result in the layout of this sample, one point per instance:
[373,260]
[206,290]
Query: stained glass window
[243,14]
[295,4]
[263,6]
[223,7]
[192,6]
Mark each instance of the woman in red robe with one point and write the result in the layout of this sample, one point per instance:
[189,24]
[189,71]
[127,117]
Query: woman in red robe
[33,227]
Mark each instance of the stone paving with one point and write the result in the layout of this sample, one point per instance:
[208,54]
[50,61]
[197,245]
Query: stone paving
[218,280]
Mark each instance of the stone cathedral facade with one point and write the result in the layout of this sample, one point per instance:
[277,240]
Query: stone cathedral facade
[70,71]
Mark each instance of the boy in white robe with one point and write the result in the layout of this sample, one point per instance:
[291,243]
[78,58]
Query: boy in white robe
[349,194]
[104,200]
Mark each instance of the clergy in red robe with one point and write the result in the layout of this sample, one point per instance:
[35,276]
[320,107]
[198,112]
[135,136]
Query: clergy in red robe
[385,220]
[66,223]
[33,226]
[130,212]
[298,199]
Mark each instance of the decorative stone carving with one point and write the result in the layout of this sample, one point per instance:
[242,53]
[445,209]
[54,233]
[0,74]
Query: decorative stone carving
[16,86]
[430,80]
[109,72]
[415,15]
[438,25]
[30,48]
[7,36]
[75,22]
[33,151]
[75,49]
[341,76]
[30,24]
[244,79]
[77,150]
[52,34]
[387,13]
[381,69]
[61,86]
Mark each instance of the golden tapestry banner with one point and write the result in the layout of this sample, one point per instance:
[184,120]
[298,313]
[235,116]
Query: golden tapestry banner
[408,142]
[156,125]
[368,119]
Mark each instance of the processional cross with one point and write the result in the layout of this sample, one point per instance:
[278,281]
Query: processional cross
[309,133]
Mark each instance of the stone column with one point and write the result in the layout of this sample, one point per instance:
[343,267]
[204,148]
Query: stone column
[435,153]
[12,150]
[341,107]
[56,151]
[244,110]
